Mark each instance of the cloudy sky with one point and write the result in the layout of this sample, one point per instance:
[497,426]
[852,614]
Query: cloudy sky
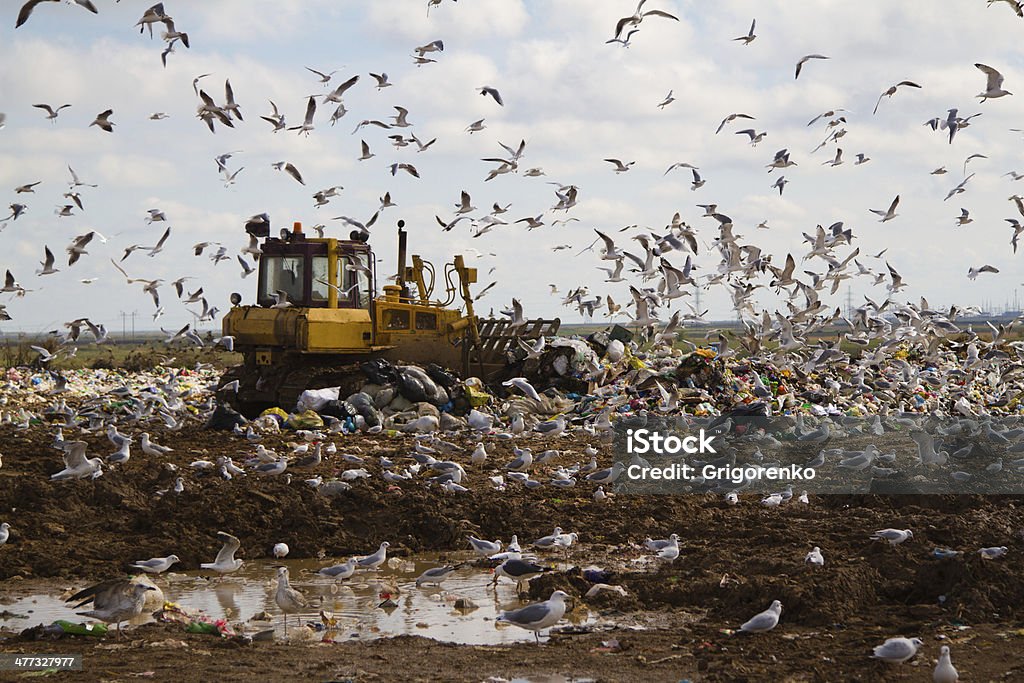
[575,99]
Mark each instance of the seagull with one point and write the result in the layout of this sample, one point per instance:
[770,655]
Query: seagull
[47,263]
[113,601]
[621,167]
[26,9]
[638,16]
[889,214]
[667,101]
[488,90]
[755,137]
[51,112]
[307,123]
[944,671]
[408,168]
[76,466]
[803,60]
[290,169]
[993,84]
[324,78]
[276,119]
[102,121]
[891,90]
[538,616]
[225,562]
[77,247]
[157,565]
[894,536]
[484,548]
[897,650]
[749,38]
[973,273]
[287,598]
[435,576]
[765,621]
[382,80]
[730,118]
[376,559]
[524,386]
[698,182]
[964,218]
[365,152]
[476,126]
[340,572]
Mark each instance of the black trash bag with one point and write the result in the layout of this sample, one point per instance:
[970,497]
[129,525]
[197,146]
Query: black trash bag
[363,404]
[744,413]
[225,418]
[416,385]
[443,377]
[379,371]
[338,409]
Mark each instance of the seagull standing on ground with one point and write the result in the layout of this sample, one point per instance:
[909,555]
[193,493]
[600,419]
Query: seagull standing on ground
[538,616]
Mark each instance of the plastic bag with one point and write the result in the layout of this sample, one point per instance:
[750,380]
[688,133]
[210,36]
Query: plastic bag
[314,399]
[305,420]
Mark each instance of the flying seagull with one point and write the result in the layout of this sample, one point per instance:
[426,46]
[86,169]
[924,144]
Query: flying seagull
[638,17]
[102,120]
[889,214]
[488,90]
[619,166]
[994,84]
[803,60]
[972,273]
[891,90]
[730,118]
[51,113]
[26,9]
[749,38]
[290,169]
[307,123]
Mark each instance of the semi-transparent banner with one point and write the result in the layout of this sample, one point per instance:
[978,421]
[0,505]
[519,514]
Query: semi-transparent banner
[911,454]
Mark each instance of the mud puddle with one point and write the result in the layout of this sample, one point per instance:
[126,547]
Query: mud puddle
[246,598]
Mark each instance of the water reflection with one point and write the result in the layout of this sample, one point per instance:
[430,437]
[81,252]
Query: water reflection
[461,610]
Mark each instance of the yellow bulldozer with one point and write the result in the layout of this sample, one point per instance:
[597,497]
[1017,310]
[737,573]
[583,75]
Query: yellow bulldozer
[318,316]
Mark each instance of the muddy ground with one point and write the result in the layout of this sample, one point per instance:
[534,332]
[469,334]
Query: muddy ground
[734,561]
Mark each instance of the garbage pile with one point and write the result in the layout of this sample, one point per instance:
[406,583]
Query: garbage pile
[608,372]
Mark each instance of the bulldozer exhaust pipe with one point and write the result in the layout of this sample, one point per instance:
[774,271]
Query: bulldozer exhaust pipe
[402,239]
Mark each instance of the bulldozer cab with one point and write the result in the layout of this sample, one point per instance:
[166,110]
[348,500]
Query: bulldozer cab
[316,273]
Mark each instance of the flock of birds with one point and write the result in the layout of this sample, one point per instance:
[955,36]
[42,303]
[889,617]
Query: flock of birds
[742,270]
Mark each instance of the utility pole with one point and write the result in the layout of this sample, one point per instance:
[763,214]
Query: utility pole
[134,313]
[849,303]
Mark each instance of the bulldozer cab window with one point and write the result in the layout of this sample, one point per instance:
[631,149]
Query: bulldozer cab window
[281,273]
[356,281]
[426,321]
[396,319]
[319,287]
